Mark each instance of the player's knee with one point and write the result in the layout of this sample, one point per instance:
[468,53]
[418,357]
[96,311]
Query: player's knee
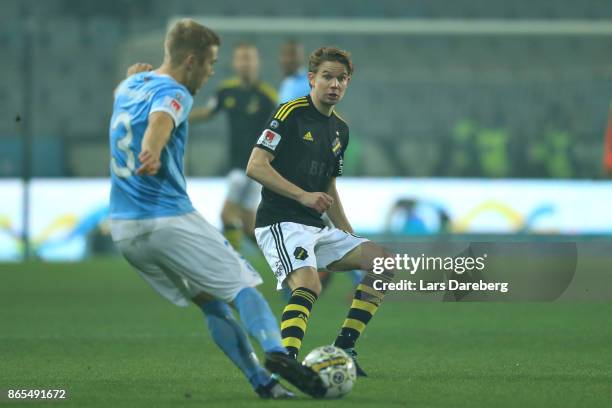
[217,308]
[316,287]
[376,256]
[305,278]
[202,298]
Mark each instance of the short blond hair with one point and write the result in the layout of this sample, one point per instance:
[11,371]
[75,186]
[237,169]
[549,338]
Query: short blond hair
[188,37]
[332,54]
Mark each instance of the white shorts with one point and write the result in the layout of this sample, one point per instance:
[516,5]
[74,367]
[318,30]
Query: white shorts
[183,256]
[288,246]
[242,190]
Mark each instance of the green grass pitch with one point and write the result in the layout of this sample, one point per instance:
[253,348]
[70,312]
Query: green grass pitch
[98,331]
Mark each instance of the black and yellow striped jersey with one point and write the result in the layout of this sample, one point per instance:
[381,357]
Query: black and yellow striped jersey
[248,107]
[308,149]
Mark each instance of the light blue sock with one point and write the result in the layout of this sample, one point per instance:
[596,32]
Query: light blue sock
[256,315]
[232,339]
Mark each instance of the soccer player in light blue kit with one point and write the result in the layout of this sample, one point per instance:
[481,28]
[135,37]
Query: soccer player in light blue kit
[295,82]
[153,222]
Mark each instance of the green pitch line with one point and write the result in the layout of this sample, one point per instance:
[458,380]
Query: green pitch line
[97,330]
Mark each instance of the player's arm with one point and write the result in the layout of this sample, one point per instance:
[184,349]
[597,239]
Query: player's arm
[260,169]
[156,137]
[203,113]
[138,67]
[336,211]
[200,114]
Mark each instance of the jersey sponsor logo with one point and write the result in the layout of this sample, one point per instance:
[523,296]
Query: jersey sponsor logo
[300,253]
[274,124]
[174,105]
[336,146]
[308,136]
[269,139]
[320,169]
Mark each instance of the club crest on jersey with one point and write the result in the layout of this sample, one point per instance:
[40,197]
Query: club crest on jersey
[274,124]
[269,139]
[308,137]
[336,146]
[300,253]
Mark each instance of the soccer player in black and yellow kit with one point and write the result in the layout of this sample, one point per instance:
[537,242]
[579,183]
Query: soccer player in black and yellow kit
[297,159]
[248,103]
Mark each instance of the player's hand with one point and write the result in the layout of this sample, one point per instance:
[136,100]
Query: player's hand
[138,67]
[149,163]
[318,201]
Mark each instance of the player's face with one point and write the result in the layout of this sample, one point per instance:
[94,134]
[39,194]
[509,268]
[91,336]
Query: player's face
[200,72]
[329,82]
[291,58]
[246,63]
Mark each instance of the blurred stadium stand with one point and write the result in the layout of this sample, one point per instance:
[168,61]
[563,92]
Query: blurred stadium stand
[427,105]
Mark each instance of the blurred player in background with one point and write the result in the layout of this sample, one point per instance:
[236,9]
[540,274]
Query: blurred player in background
[294,85]
[153,222]
[297,158]
[248,103]
[295,75]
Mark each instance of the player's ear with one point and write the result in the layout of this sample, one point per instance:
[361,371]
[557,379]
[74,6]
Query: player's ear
[190,61]
[311,76]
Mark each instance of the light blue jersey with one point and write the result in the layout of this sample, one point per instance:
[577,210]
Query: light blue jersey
[294,86]
[162,195]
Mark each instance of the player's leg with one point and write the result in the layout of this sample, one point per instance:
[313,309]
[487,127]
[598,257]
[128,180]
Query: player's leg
[305,289]
[326,276]
[144,254]
[289,250]
[209,264]
[252,307]
[209,272]
[230,337]
[305,286]
[247,217]
[296,271]
[366,299]
[249,200]
[231,218]
[232,278]
[259,320]
[231,213]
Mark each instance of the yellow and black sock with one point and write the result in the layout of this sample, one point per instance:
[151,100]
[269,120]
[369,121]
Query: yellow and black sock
[365,304]
[295,319]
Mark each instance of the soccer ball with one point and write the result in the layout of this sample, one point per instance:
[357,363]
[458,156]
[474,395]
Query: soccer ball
[336,369]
